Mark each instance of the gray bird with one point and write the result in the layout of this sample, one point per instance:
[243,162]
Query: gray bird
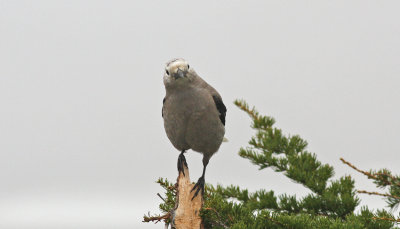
[194,114]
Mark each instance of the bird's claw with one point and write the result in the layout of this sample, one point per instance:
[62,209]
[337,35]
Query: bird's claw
[182,163]
[198,186]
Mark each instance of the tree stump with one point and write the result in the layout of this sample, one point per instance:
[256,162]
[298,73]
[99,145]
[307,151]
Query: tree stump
[187,211]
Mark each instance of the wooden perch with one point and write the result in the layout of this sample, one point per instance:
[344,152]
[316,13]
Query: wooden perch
[187,211]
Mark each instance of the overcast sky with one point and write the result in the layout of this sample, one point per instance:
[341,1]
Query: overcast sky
[82,140]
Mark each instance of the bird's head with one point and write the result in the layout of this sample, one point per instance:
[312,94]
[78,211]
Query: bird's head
[178,72]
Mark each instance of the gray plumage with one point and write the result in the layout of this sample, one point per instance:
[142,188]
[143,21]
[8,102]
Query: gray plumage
[193,112]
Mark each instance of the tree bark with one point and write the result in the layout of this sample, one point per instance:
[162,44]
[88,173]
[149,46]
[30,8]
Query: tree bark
[187,211]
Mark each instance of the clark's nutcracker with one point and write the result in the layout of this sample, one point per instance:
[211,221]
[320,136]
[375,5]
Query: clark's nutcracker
[194,114]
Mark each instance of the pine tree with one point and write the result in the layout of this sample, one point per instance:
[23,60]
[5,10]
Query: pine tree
[331,203]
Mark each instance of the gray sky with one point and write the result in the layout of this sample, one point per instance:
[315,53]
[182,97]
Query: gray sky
[82,138]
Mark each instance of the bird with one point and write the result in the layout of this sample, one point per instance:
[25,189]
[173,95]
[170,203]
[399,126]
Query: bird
[194,115]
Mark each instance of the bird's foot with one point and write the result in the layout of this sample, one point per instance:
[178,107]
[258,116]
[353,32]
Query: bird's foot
[182,163]
[198,186]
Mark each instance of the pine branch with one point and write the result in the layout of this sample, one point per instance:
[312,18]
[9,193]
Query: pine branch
[287,154]
[387,174]
[244,106]
[378,194]
[382,178]
[156,219]
[369,175]
[387,219]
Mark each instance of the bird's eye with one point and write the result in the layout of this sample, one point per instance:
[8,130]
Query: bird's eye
[188,66]
[167,71]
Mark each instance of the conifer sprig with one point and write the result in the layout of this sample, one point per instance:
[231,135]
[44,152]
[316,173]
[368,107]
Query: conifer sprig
[288,154]
[383,179]
[330,204]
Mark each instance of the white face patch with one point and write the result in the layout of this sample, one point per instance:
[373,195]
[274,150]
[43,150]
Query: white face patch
[175,65]
[178,73]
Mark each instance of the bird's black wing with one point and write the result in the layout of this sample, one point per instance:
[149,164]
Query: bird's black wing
[220,107]
[162,109]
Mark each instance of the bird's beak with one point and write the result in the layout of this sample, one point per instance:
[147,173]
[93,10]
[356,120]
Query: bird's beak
[179,74]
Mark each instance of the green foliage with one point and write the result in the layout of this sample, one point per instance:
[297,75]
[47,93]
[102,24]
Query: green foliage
[330,204]
[170,194]
[271,148]
[384,179]
[260,210]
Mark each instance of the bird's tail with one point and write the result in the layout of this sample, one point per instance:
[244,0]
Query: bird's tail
[225,140]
